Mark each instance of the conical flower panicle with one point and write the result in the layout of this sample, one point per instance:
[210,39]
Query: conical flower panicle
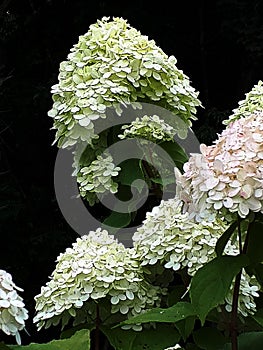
[96,268]
[114,65]
[226,177]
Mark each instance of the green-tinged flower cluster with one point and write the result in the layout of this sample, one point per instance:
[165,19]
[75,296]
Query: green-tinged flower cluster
[249,288]
[169,236]
[151,128]
[252,103]
[95,269]
[97,178]
[12,308]
[114,65]
[176,347]
[172,238]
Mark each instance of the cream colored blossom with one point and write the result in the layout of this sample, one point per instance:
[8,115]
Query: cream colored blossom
[151,128]
[96,269]
[169,236]
[227,176]
[97,178]
[249,288]
[114,65]
[12,308]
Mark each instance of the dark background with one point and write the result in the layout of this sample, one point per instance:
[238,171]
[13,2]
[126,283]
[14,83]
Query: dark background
[218,44]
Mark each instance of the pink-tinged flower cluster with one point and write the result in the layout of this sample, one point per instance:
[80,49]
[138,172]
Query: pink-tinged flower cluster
[227,176]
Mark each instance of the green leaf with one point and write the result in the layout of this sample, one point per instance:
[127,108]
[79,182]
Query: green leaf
[131,171]
[176,153]
[117,220]
[209,338]
[161,337]
[165,181]
[175,150]
[250,340]
[172,314]
[211,283]
[185,327]
[71,331]
[120,339]
[155,339]
[258,272]
[222,241]
[258,316]
[175,295]
[255,246]
[190,346]
[79,341]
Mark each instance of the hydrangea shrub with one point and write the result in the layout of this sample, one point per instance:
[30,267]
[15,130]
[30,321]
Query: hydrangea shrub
[196,260]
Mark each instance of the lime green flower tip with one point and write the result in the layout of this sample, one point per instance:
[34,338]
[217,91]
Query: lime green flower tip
[253,102]
[114,65]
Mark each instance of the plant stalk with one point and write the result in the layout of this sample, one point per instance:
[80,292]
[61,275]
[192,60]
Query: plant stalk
[233,322]
[97,330]
[234,312]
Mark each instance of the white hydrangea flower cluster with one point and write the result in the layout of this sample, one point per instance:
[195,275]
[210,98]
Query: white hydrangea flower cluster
[151,128]
[113,65]
[249,288]
[229,174]
[252,103]
[96,267]
[97,178]
[12,308]
[171,237]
